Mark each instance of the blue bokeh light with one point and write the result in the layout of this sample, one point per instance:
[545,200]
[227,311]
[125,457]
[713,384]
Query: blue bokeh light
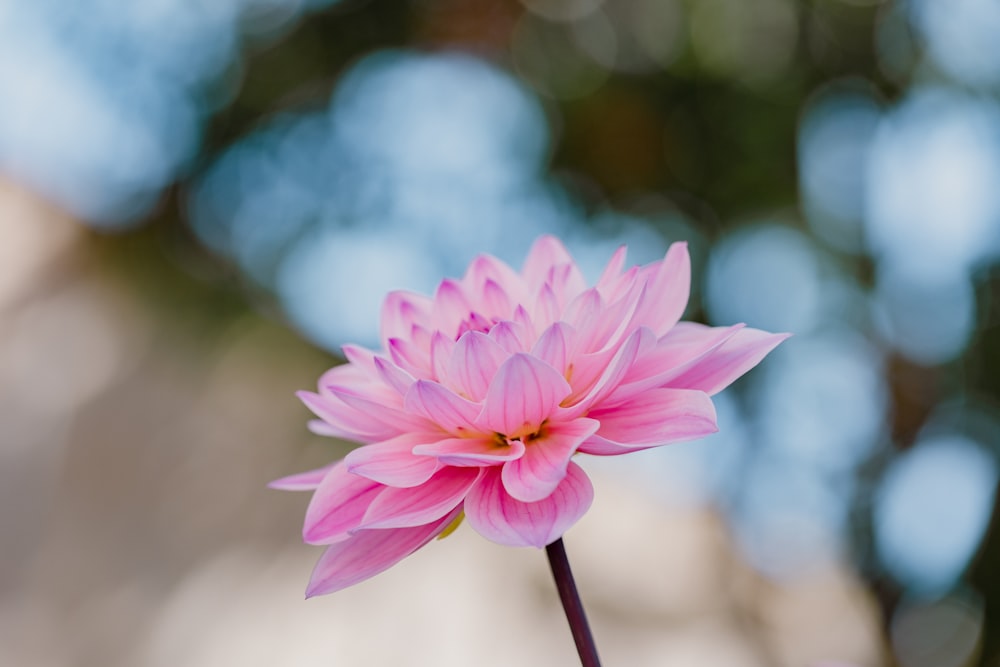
[932,510]
[934,206]
[104,102]
[834,142]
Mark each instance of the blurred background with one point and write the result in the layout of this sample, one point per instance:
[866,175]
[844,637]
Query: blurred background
[201,201]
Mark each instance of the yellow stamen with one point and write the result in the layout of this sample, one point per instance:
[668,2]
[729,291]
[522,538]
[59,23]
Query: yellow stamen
[453,526]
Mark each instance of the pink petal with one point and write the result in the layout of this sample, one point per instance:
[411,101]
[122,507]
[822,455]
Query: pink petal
[554,346]
[511,336]
[450,306]
[410,357]
[337,506]
[612,375]
[486,268]
[472,451]
[655,417]
[358,356]
[613,268]
[392,462]
[400,508]
[523,394]
[442,406]
[535,475]
[367,553]
[546,307]
[393,375]
[441,349]
[566,282]
[669,287]
[474,362]
[496,303]
[344,421]
[582,312]
[672,355]
[303,481]
[545,253]
[495,515]
[400,311]
[381,409]
[729,361]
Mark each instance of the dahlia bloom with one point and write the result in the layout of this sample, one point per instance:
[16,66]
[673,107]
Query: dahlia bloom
[482,395]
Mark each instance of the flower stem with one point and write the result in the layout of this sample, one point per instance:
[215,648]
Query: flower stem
[572,605]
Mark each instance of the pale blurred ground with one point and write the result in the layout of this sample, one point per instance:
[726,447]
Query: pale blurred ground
[137,530]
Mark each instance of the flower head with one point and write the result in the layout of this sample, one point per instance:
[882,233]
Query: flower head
[483,393]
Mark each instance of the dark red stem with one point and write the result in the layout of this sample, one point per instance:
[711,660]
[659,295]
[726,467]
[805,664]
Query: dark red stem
[571,603]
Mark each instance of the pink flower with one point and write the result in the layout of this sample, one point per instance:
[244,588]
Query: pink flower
[482,395]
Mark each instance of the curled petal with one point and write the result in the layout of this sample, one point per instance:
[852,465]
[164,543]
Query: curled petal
[523,394]
[399,508]
[495,515]
[655,417]
[472,451]
[392,462]
[535,475]
[369,552]
[337,506]
[717,370]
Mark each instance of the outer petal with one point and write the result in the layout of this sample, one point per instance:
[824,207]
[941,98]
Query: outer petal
[392,462]
[536,475]
[337,506]
[655,417]
[495,515]
[442,406]
[673,355]
[344,421]
[400,508]
[368,553]
[472,451]
[669,288]
[523,394]
[729,361]
[377,406]
[303,481]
